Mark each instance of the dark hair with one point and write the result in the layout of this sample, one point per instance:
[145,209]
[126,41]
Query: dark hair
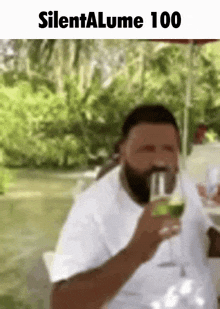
[156,113]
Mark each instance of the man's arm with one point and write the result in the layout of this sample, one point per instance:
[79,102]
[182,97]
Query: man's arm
[93,289]
[96,287]
[214,247]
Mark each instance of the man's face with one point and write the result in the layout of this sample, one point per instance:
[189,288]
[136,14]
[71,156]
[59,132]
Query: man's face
[149,147]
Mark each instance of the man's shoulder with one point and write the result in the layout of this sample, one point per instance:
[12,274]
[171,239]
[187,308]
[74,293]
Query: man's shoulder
[187,181]
[101,191]
[188,187]
[190,191]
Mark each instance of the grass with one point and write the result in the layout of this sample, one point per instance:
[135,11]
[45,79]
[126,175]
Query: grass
[31,216]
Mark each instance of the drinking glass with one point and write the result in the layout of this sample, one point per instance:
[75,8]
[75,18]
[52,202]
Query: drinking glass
[210,188]
[212,181]
[173,204]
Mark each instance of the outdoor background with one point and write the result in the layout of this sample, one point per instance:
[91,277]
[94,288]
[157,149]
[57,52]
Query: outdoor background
[62,103]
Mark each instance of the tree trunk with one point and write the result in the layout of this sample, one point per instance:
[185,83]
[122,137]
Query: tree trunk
[187,104]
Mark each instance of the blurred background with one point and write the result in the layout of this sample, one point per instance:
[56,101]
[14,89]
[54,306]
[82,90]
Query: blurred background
[62,104]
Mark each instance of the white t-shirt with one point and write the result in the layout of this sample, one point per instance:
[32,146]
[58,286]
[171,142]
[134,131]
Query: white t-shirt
[101,223]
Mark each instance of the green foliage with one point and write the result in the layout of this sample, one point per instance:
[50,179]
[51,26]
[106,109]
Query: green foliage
[78,126]
[210,136]
[5,179]
[6,176]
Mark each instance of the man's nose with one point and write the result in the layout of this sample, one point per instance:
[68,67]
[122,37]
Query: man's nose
[160,159]
[160,163]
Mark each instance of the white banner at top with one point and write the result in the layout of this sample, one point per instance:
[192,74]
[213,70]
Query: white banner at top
[167,19]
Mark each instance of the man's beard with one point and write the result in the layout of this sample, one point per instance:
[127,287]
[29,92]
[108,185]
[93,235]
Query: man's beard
[139,183]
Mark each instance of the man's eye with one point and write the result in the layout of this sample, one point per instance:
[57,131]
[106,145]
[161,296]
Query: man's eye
[148,148]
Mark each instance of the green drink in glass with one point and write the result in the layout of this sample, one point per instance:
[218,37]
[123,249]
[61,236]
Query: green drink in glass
[176,205]
[173,204]
[176,210]
[161,209]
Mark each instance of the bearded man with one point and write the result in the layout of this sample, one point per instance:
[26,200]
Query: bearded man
[111,244]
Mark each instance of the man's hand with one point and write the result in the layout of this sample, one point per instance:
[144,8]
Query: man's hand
[203,193]
[151,231]
[94,288]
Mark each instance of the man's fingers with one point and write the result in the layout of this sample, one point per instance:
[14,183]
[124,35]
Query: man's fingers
[168,226]
[167,219]
[163,226]
[165,233]
[169,230]
[162,221]
[202,190]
